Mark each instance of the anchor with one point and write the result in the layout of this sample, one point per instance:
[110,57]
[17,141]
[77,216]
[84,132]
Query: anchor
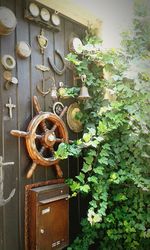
[2,200]
[42,92]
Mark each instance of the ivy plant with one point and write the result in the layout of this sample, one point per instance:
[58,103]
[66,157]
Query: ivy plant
[115,145]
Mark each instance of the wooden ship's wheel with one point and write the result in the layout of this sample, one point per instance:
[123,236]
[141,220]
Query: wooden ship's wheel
[44,133]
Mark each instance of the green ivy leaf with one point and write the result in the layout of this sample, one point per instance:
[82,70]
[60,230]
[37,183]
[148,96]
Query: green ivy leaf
[98,170]
[85,188]
[103,160]
[93,179]
[81,178]
[86,168]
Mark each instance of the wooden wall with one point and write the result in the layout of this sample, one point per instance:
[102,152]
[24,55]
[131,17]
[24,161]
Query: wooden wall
[13,149]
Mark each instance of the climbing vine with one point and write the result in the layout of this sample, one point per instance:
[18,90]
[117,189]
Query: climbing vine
[116,141]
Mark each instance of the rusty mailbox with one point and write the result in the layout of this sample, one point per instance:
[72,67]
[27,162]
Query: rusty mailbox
[48,217]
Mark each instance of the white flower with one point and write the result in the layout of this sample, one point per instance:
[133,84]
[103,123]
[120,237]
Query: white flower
[104,110]
[89,47]
[93,217]
[107,74]
[109,95]
[98,47]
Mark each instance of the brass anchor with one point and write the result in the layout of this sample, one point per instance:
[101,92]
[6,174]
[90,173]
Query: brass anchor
[2,200]
[41,91]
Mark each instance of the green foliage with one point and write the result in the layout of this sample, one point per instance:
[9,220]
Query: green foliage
[116,143]
[68,92]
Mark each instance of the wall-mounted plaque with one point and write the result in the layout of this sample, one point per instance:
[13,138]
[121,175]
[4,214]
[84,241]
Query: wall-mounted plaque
[58,108]
[34,9]
[73,123]
[42,15]
[8,21]
[75,45]
[8,62]
[45,15]
[55,19]
[23,49]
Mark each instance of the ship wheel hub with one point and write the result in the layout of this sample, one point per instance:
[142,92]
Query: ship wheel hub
[50,139]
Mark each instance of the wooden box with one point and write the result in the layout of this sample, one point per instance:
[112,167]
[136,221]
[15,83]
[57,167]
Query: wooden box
[48,217]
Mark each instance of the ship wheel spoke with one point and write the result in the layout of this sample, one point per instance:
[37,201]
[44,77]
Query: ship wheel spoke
[42,150]
[36,104]
[61,115]
[52,150]
[53,128]
[19,133]
[38,110]
[39,137]
[43,126]
[59,140]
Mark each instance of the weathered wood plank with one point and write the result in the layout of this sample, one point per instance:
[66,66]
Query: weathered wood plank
[36,78]
[24,116]
[10,148]
[59,43]
[1,148]
[50,171]
[13,149]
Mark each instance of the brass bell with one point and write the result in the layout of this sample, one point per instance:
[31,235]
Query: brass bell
[84,94]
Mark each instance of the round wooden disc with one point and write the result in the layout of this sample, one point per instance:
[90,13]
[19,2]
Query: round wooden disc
[7,21]
[7,75]
[23,49]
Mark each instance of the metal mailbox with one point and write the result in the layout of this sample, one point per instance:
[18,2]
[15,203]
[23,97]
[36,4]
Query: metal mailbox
[48,217]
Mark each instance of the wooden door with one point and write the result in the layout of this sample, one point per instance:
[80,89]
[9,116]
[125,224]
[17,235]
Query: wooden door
[13,149]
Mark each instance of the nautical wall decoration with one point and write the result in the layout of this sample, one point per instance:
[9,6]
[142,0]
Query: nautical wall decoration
[10,107]
[4,201]
[41,67]
[84,94]
[8,62]
[8,21]
[54,67]
[75,45]
[42,41]
[55,19]
[41,91]
[58,108]
[44,133]
[45,15]
[74,123]
[9,79]
[42,15]
[23,49]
